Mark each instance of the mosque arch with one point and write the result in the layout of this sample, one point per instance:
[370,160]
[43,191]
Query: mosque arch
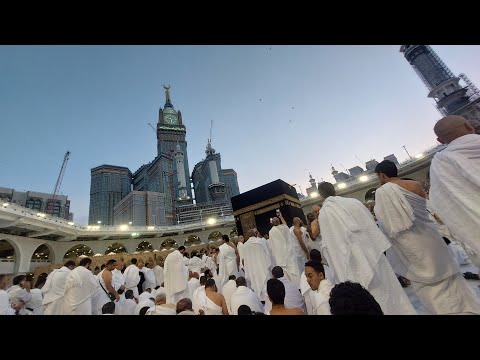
[8,257]
[233,232]
[193,240]
[77,251]
[42,254]
[144,246]
[169,244]
[116,248]
[370,194]
[215,235]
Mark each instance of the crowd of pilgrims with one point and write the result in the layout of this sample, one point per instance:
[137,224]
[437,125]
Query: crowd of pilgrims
[349,257]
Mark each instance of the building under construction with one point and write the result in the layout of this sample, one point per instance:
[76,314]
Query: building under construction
[454,95]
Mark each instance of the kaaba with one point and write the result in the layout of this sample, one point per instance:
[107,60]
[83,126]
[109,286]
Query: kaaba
[255,208]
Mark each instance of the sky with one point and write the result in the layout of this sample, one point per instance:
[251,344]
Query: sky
[279,112]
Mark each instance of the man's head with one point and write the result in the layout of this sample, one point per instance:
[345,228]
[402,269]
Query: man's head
[349,298]
[315,255]
[133,261]
[475,124]
[225,238]
[315,273]
[316,211]
[129,294]
[241,238]
[232,277]
[240,281]
[203,280]
[119,265]
[160,298]
[181,249]
[244,310]
[111,264]
[4,279]
[386,170]
[86,262]
[277,272]
[184,304]
[275,221]
[210,284]
[70,264]
[195,275]
[250,233]
[325,189]
[452,127]
[108,308]
[297,222]
[276,291]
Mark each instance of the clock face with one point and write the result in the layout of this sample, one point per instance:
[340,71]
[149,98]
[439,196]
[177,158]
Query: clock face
[170,119]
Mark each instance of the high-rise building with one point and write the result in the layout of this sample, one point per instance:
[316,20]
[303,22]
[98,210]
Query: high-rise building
[209,181]
[371,164]
[313,189]
[356,170]
[451,97]
[141,208]
[38,201]
[170,133]
[109,184]
[229,178]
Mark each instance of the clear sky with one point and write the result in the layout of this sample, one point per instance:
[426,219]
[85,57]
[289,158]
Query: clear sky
[278,111]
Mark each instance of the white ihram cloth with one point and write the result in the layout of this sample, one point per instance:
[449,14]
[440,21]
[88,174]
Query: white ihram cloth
[300,256]
[145,295]
[198,299]
[282,249]
[245,296]
[142,304]
[227,291]
[35,302]
[159,277]
[150,281]
[54,290]
[193,284]
[5,308]
[227,262]
[307,294]
[459,253]
[353,246]
[210,264]
[455,190]
[117,279]
[80,285]
[321,296]
[125,307]
[132,278]
[18,292]
[419,253]
[176,277]
[195,264]
[240,246]
[186,261]
[257,265]
[162,310]
[211,308]
[293,297]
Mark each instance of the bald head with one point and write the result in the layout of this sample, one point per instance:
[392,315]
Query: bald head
[316,210]
[251,233]
[452,127]
[297,221]
[275,221]
[475,124]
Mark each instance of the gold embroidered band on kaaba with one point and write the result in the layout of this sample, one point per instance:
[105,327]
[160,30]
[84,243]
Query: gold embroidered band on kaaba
[273,202]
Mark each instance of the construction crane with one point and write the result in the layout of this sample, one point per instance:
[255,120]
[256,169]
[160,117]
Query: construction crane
[155,131]
[51,201]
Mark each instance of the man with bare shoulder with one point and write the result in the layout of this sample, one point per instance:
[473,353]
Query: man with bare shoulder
[215,303]
[418,251]
[276,294]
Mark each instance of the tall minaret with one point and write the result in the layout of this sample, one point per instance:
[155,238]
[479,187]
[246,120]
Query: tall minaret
[451,97]
[216,188]
[182,184]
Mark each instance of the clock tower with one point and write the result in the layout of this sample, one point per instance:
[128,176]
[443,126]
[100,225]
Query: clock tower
[170,132]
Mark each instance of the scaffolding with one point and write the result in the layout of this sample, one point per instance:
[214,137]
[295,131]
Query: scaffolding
[473,92]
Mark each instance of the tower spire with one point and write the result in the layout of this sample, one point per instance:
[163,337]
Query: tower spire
[167,96]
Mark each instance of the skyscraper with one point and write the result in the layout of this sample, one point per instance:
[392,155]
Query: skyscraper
[170,133]
[451,97]
[109,184]
[210,182]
